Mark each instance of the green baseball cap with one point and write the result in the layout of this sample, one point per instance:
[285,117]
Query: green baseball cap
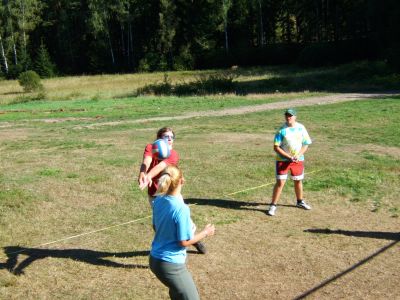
[290,111]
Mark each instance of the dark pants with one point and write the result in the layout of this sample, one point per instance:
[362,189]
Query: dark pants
[176,277]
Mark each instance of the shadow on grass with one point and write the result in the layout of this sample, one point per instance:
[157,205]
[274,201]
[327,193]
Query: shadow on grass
[83,255]
[225,203]
[395,236]
[233,204]
[12,93]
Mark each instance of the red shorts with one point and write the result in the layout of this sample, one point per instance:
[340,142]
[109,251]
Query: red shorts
[296,170]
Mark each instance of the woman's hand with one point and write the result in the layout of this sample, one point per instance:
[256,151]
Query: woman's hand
[209,230]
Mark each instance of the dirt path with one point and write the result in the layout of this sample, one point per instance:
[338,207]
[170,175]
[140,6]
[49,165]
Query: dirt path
[261,107]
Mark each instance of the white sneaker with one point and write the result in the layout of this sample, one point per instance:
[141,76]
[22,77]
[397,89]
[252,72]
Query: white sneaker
[271,211]
[303,205]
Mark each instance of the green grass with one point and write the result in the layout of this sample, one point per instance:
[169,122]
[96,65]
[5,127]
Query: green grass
[61,179]
[130,108]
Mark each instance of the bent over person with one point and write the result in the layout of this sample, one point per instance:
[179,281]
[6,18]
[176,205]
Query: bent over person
[290,143]
[173,233]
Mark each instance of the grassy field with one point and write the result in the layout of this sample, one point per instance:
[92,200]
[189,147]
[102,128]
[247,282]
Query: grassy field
[74,224]
[359,76]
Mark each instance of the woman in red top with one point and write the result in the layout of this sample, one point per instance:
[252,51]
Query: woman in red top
[151,169]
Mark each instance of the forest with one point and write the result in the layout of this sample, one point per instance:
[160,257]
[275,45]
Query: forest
[67,37]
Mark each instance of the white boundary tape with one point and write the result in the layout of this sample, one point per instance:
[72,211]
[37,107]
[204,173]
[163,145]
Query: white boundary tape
[78,235]
[128,222]
[257,187]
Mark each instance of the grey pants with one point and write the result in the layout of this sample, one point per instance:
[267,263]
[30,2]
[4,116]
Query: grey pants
[176,277]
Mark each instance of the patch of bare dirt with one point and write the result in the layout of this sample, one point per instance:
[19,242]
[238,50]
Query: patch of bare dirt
[337,98]
[13,134]
[59,120]
[376,149]
[236,138]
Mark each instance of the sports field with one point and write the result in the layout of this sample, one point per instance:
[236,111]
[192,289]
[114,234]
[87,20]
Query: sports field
[74,224]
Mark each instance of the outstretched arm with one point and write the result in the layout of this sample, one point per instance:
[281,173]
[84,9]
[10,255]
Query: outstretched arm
[143,171]
[147,178]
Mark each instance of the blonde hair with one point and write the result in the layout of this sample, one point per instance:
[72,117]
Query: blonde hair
[169,180]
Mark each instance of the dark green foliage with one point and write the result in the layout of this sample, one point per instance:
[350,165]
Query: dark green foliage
[43,64]
[30,81]
[333,53]
[393,57]
[14,71]
[185,60]
[270,55]
[141,35]
[218,83]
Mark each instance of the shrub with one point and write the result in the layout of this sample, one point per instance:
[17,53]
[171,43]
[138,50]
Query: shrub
[203,85]
[149,63]
[393,57]
[185,60]
[164,88]
[30,81]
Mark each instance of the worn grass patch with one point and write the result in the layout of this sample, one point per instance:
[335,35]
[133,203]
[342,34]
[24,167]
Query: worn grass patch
[75,225]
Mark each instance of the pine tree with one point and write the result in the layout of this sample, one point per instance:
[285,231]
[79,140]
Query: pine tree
[43,64]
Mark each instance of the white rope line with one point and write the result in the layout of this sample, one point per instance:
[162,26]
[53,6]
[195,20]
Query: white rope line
[79,235]
[266,184]
[128,222]
[249,189]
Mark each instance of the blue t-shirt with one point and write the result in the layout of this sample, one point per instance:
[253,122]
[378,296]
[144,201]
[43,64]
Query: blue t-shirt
[171,220]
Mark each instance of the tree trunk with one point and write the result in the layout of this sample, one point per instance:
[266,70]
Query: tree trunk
[318,21]
[123,50]
[226,36]
[109,41]
[3,55]
[226,4]
[130,45]
[262,34]
[111,49]
[15,53]
[23,25]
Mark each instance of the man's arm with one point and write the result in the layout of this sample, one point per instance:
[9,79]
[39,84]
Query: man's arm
[302,151]
[282,152]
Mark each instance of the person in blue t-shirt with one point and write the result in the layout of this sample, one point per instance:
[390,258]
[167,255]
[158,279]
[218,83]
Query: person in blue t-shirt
[173,233]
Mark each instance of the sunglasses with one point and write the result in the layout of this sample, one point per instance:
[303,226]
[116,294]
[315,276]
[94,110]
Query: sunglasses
[288,115]
[168,137]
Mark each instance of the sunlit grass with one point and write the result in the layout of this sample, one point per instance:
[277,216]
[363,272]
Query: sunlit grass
[248,81]
[59,180]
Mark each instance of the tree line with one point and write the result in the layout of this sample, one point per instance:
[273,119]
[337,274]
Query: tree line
[105,36]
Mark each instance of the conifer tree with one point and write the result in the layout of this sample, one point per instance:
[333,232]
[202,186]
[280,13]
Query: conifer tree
[43,64]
